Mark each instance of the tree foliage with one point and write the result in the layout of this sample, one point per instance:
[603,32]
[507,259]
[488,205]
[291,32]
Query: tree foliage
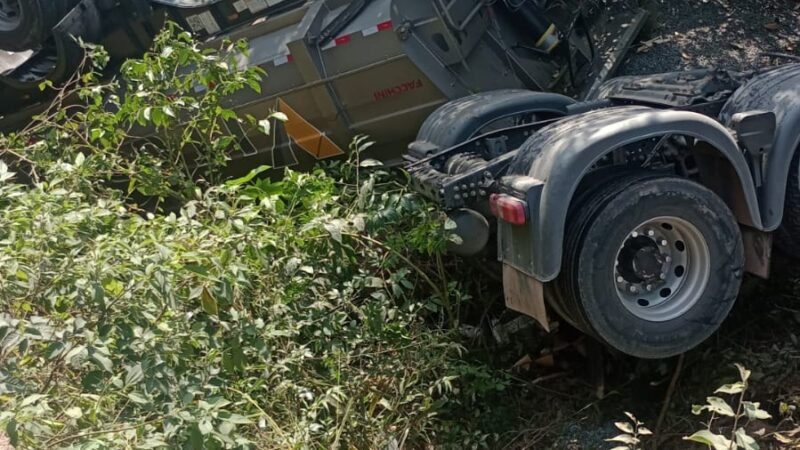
[291,313]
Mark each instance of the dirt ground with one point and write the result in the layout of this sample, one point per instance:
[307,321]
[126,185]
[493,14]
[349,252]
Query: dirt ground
[732,34]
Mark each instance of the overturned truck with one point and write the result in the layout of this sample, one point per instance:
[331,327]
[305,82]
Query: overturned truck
[337,68]
[632,215]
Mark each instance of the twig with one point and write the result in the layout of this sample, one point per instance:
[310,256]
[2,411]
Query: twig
[99,432]
[416,268]
[667,400]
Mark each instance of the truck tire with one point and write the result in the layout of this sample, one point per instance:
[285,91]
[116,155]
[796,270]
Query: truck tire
[26,24]
[787,237]
[464,118]
[652,265]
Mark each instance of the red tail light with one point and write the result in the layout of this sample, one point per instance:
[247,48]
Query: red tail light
[509,209]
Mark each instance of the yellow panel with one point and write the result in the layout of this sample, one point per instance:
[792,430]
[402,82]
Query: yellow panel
[307,136]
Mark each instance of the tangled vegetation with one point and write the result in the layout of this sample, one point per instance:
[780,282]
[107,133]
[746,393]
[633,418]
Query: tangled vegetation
[256,313]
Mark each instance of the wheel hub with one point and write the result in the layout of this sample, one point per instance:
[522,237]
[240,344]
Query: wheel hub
[661,268]
[10,14]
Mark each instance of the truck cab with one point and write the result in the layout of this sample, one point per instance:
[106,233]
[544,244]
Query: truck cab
[633,215]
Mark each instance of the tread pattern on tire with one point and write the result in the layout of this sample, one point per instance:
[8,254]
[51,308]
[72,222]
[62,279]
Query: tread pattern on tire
[583,210]
[788,235]
[52,11]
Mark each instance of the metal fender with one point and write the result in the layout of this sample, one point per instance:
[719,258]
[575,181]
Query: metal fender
[777,91]
[560,155]
[460,119]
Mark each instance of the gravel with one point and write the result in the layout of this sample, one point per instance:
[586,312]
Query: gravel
[732,34]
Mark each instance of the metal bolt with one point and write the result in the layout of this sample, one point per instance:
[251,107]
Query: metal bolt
[620,279]
[457,189]
[457,197]
[651,233]
[663,276]
[668,259]
[634,234]
[633,290]
[664,242]
[649,287]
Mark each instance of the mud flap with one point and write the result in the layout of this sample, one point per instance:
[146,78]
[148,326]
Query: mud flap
[525,294]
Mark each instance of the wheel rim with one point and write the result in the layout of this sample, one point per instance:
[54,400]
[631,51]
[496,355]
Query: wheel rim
[10,14]
[662,268]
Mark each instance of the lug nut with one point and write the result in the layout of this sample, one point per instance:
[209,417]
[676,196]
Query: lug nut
[620,279]
[663,276]
[663,242]
[649,287]
[634,234]
[651,233]
[668,259]
[633,290]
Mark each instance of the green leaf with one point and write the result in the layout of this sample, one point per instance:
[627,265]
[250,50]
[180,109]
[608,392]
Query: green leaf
[239,419]
[137,398]
[265,126]
[753,411]
[209,302]
[31,399]
[719,406]
[625,427]
[226,428]
[11,432]
[254,85]
[247,178]
[744,374]
[744,441]
[734,388]
[334,228]
[102,361]
[716,441]
[625,439]
[279,116]
[133,374]
[205,426]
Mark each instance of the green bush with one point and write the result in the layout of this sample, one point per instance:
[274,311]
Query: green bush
[299,313]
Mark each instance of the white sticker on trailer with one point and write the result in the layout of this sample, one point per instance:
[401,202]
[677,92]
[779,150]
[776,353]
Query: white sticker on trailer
[240,6]
[256,5]
[210,23]
[195,23]
[203,22]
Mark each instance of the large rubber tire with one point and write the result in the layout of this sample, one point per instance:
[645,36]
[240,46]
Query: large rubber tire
[598,227]
[26,24]
[788,235]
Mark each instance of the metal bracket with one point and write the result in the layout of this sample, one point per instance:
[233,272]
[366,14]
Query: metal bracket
[755,131]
